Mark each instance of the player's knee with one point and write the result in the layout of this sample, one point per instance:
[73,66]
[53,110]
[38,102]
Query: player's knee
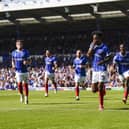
[100,87]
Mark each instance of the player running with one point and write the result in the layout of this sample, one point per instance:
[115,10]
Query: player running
[19,63]
[50,66]
[99,53]
[79,64]
[121,62]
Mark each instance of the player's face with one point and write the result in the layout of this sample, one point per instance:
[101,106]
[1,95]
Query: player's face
[78,53]
[97,39]
[19,45]
[48,53]
[122,48]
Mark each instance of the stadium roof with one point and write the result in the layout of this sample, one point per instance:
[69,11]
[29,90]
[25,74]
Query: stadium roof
[15,5]
[79,16]
[12,14]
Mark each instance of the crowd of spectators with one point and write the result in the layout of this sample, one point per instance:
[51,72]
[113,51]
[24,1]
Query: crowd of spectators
[64,75]
[62,45]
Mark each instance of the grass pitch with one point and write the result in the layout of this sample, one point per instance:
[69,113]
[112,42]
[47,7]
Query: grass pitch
[62,111]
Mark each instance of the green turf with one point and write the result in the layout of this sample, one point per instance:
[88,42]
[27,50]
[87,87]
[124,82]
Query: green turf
[61,111]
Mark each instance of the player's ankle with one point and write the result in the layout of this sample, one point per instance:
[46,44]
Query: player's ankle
[77,98]
[101,107]
[21,98]
[46,94]
[26,99]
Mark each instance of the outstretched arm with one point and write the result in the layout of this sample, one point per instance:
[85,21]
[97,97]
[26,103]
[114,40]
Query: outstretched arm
[90,50]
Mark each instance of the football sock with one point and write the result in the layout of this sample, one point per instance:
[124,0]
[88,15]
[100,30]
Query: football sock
[26,90]
[101,98]
[20,88]
[77,91]
[46,88]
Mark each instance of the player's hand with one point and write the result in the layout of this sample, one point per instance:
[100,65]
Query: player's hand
[25,62]
[13,67]
[94,42]
[92,45]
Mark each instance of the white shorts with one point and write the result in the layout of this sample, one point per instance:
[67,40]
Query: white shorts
[99,76]
[123,76]
[49,76]
[22,77]
[79,79]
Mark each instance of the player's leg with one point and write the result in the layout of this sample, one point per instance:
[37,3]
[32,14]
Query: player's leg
[105,79]
[46,85]
[26,89]
[26,92]
[55,87]
[126,90]
[84,83]
[54,83]
[94,84]
[101,87]
[94,87]
[77,90]
[20,88]
[77,80]
[124,83]
[127,86]
[101,95]
[104,90]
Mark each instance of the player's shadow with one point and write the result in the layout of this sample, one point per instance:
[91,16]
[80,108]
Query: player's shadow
[67,103]
[111,99]
[115,109]
[85,97]
[90,97]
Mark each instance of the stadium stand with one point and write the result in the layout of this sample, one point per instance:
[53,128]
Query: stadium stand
[60,25]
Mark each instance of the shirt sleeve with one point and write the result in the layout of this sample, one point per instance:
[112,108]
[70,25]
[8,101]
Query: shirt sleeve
[107,51]
[54,60]
[85,61]
[115,60]
[27,55]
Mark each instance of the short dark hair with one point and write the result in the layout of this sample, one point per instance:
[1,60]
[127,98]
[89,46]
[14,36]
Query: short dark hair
[122,42]
[98,33]
[19,40]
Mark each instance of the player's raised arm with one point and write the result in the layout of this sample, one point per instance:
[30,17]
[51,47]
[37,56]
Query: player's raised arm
[91,49]
[98,50]
[92,45]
